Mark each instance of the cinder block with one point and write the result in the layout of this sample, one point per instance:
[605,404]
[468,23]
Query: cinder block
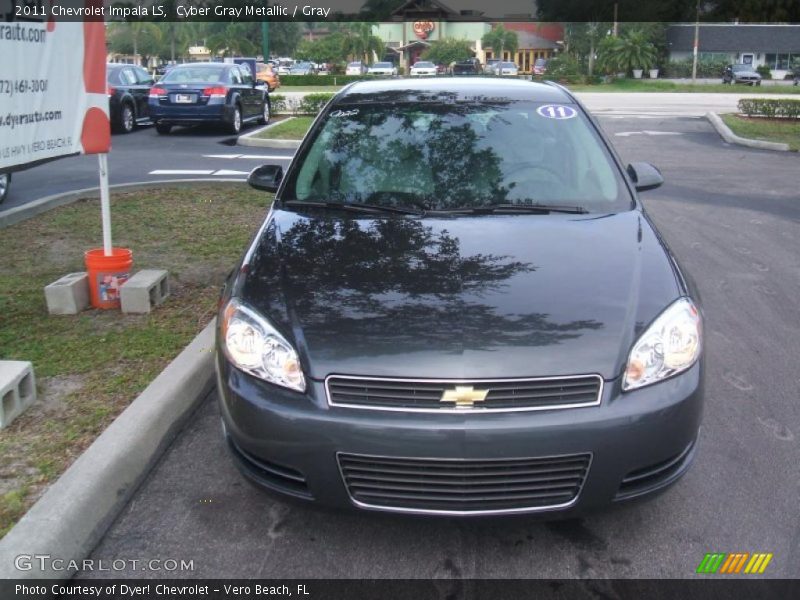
[143,291]
[17,389]
[68,295]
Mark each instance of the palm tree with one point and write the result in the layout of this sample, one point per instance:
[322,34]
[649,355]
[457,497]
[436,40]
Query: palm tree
[124,35]
[231,39]
[635,51]
[499,39]
[360,43]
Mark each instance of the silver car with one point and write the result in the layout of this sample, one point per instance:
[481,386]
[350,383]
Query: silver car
[741,74]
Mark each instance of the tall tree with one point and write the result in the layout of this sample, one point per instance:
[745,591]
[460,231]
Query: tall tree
[499,39]
[231,40]
[360,43]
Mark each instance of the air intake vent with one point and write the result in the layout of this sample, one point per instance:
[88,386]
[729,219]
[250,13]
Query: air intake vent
[464,486]
[654,476]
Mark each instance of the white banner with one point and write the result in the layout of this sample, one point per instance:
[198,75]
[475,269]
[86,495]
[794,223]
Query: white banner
[53,98]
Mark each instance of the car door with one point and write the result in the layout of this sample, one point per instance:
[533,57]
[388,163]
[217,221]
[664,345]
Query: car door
[238,88]
[144,81]
[251,93]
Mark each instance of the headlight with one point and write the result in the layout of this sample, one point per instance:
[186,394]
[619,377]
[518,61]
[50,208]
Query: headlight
[670,345]
[255,346]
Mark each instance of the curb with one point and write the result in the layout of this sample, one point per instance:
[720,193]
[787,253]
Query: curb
[725,132]
[73,515]
[26,211]
[249,139]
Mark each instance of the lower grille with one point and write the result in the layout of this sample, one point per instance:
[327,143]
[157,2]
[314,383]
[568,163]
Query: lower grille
[655,476]
[429,395]
[452,486]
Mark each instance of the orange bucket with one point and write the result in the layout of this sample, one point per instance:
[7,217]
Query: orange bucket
[107,274]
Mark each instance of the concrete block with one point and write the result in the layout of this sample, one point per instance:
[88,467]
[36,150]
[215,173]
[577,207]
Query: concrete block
[17,389]
[143,291]
[68,295]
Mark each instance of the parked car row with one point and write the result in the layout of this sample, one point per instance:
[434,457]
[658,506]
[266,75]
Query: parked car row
[189,94]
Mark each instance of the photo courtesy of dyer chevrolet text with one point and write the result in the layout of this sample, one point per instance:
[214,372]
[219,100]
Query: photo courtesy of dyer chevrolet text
[148,590]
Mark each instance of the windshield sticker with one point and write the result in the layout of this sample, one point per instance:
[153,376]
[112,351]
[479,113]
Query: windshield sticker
[344,113]
[557,111]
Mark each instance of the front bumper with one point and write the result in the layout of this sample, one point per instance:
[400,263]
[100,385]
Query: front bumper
[638,442]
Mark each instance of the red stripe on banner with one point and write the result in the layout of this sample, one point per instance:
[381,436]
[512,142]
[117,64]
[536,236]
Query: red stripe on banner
[96,132]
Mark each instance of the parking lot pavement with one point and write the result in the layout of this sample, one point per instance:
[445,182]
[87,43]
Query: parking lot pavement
[732,217]
[187,153]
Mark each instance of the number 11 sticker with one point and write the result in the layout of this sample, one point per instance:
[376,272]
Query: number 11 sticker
[556,111]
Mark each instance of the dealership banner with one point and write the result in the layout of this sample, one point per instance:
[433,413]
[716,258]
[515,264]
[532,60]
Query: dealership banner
[53,100]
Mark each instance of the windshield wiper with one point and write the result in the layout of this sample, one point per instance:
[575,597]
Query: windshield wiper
[356,207]
[540,209]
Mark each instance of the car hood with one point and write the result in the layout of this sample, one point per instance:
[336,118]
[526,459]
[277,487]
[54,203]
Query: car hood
[465,297]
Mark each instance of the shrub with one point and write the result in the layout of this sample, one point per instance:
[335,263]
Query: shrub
[564,68]
[292,80]
[771,107]
[705,68]
[277,103]
[311,104]
[764,71]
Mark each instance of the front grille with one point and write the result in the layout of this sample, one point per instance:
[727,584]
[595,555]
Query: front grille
[655,476]
[426,395]
[454,486]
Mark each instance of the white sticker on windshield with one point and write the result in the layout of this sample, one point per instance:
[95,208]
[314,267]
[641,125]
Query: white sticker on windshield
[344,113]
[557,111]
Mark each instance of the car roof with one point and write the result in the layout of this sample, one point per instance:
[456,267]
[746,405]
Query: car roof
[457,88]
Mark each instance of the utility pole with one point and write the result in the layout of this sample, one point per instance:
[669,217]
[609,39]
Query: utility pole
[265,35]
[616,16]
[696,42]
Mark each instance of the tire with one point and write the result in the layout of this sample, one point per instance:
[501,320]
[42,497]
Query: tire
[235,126]
[265,113]
[127,119]
[163,129]
[758,83]
[5,186]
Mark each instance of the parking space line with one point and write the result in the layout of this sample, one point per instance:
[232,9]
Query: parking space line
[181,172]
[249,156]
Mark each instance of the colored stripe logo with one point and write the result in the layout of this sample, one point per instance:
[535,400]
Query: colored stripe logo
[734,563]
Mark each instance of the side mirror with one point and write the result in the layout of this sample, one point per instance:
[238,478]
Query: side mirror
[645,176]
[266,178]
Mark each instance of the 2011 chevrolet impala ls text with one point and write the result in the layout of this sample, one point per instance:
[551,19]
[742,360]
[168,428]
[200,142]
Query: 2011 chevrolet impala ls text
[457,305]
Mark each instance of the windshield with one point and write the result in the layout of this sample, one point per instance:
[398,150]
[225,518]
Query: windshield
[741,68]
[462,155]
[202,74]
[382,65]
[424,65]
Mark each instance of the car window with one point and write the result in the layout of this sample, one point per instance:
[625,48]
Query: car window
[424,65]
[458,156]
[127,76]
[112,75]
[235,75]
[143,77]
[198,74]
[245,73]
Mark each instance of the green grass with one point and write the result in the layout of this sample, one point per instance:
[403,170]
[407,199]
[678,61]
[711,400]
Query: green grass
[290,129]
[647,85]
[90,366]
[771,130]
[307,89]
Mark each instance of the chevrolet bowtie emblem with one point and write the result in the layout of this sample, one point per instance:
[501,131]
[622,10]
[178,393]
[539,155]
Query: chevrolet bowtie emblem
[464,396]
